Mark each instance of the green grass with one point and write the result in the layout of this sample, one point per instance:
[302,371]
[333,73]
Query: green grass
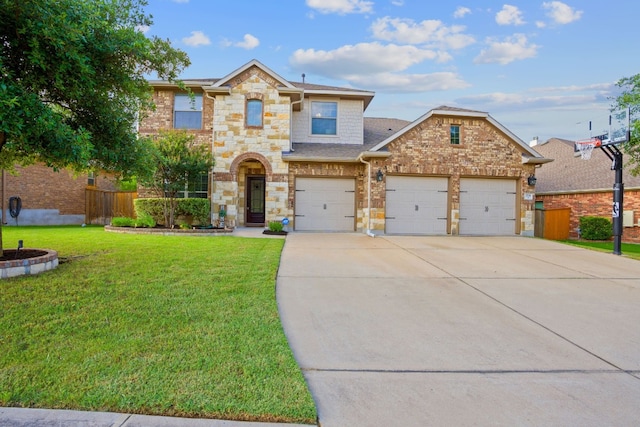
[632,250]
[165,325]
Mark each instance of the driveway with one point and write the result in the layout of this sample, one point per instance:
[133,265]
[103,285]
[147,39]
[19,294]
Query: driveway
[417,331]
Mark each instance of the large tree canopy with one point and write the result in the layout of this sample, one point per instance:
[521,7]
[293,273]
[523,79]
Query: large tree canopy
[73,80]
[630,99]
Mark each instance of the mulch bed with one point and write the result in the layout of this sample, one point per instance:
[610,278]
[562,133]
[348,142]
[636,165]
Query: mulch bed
[13,254]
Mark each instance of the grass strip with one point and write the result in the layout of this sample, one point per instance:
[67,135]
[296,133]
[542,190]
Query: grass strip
[162,325]
[632,250]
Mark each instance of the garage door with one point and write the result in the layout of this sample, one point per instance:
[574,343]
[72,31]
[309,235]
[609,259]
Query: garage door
[416,205]
[487,206]
[325,204]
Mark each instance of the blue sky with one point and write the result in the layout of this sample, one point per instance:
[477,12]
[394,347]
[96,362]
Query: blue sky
[541,68]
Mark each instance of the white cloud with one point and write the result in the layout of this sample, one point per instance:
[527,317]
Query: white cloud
[360,59]
[397,2]
[509,15]
[180,1]
[409,83]
[144,29]
[540,24]
[510,49]
[561,13]
[461,11]
[341,6]
[248,42]
[197,38]
[430,32]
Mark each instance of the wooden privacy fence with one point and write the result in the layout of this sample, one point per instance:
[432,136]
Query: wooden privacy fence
[101,205]
[553,224]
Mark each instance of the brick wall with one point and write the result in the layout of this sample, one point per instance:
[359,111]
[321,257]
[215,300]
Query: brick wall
[594,204]
[483,151]
[41,187]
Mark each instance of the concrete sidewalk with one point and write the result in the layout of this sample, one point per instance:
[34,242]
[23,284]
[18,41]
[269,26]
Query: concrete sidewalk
[415,331]
[25,417]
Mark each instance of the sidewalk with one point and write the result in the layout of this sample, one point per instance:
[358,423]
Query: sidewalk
[25,417]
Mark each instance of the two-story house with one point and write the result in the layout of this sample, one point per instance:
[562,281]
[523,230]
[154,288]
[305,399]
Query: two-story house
[307,153]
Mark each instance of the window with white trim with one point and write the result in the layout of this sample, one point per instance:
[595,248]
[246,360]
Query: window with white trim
[187,112]
[254,113]
[324,118]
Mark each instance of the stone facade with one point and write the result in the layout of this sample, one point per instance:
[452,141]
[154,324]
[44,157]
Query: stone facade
[243,152]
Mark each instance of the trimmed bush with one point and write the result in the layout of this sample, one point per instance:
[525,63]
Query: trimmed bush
[199,209]
[145,221]
[275,226]
[122,221]
[595,228]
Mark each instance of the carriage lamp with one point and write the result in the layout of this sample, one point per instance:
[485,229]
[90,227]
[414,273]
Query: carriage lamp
[532,180]
[379,175]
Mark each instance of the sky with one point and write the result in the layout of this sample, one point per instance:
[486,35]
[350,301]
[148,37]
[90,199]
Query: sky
[541,68]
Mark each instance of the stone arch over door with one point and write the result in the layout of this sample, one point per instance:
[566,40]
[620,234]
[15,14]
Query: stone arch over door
[235,165]
[250,173]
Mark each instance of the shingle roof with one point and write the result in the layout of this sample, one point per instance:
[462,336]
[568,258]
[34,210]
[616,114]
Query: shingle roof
[568,172]
[375,130]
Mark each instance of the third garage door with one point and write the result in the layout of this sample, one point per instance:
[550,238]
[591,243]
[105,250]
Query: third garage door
[416,205]
[487,206]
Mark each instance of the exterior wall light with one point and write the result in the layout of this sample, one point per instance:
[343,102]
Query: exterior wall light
[532,180]
[379,175]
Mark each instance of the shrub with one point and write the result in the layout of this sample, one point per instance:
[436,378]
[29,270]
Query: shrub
[199,209]
[595,228]
[145,220]
[275,226]
[121,221]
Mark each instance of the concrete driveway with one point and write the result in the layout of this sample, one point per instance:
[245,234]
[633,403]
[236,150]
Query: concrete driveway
[417,331]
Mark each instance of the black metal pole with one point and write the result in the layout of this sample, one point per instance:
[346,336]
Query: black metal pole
[618,198]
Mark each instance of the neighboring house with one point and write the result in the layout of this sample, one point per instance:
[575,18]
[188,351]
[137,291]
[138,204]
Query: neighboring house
[585,186]
[306,152]
[48,197]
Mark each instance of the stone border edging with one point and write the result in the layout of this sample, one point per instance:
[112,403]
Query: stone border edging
[168,232]
[23,267]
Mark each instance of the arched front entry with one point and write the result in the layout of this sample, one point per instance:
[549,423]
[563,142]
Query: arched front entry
[251,171]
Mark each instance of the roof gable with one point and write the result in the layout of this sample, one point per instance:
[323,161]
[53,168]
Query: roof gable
[278,81]
[526,150]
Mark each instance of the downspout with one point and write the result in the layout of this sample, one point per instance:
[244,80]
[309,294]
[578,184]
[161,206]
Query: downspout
[213,99]
[369,233]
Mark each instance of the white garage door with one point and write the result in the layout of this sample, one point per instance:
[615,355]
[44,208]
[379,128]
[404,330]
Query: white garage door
[325,204]
[416,205]
[487,206]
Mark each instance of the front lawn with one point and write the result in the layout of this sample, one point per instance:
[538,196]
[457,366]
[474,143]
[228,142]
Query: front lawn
[631,250]
[165,325]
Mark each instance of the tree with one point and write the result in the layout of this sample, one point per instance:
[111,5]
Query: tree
[179,163]
[630,98]
[73,79]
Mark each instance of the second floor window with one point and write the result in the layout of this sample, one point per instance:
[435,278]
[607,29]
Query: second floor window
[254,113]
[187,112]
[455,135]
[324,118]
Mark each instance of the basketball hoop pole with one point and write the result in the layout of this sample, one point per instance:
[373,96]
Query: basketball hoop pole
[618,194]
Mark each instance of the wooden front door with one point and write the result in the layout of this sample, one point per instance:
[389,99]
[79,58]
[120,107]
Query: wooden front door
[255,200]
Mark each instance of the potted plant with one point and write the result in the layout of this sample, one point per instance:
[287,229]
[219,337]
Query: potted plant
[221,215]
